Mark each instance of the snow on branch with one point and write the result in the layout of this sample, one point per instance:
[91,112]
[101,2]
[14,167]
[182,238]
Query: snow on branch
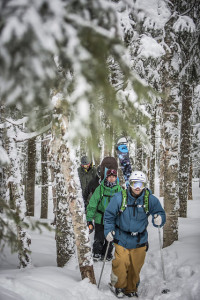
[184,23]
[23,136]
[4,159]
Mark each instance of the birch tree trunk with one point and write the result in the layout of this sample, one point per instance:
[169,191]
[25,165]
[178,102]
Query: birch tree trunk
[74,199]
[170,89]
[30,177]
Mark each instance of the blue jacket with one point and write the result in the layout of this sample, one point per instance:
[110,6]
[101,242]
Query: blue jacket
[130,225]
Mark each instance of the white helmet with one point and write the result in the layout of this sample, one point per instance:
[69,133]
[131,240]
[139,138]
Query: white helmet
[137,176]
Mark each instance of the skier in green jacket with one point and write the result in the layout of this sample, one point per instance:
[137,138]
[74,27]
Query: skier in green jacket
[95,211]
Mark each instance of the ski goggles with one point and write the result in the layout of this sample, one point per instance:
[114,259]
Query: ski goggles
[111,172]
[137,184]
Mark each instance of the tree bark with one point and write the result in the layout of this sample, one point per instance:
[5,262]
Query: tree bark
[53,188]
[30,178]
[44,180]
[138,160]
[64,227]
[18,201]
[73,189]
[78,218]
[153,154]
[171,124]
[161,156]
[185,146]
[190,196]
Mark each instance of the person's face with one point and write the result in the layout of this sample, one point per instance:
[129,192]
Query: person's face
[86,166]
[136,187]
[111,178]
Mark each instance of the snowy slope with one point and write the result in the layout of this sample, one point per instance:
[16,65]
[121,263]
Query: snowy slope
[44,281]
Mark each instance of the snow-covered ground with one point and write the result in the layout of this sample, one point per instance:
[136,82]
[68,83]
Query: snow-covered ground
[45,281]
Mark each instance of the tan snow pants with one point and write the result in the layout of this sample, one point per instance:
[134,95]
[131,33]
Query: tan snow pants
[126,267]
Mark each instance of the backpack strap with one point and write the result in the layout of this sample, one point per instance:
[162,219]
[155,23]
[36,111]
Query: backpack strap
[101,197]
[146,201]
[124,201]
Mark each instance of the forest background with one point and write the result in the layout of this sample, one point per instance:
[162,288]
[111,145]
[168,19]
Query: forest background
[77,75]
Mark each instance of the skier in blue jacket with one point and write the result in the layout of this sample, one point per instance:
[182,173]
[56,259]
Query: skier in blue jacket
[126,225]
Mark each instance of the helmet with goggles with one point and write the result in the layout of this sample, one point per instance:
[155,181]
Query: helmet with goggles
[137,176]
[137,180]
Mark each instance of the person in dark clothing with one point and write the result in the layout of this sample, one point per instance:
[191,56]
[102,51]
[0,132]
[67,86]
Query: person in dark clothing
[86,173]
[93,184]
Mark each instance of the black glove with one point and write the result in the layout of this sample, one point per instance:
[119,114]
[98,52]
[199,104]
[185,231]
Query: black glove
[90,226]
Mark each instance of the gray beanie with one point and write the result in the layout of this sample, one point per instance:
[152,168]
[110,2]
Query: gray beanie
[85,160]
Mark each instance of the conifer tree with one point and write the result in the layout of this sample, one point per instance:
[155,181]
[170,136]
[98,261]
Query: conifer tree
[188,35]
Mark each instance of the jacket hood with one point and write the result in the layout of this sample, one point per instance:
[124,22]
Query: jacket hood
[108,162]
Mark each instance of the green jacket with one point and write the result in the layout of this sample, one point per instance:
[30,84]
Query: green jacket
[85,177]
[99,202]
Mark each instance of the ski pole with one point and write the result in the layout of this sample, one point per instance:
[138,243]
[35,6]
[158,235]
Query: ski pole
[164,291]
[103,264]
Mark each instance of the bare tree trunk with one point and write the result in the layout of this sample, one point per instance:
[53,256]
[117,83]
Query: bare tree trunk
[44,179]
[189,78]
[171,124]
[30,177]
[153,154]
[18,201]
[78,218]
[190,196]
[74,199]
[185,148]
[138,160]
[64,227]
[160,153]
[53,186]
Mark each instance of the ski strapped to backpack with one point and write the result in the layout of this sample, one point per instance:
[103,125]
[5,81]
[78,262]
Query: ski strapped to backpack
[145,201]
